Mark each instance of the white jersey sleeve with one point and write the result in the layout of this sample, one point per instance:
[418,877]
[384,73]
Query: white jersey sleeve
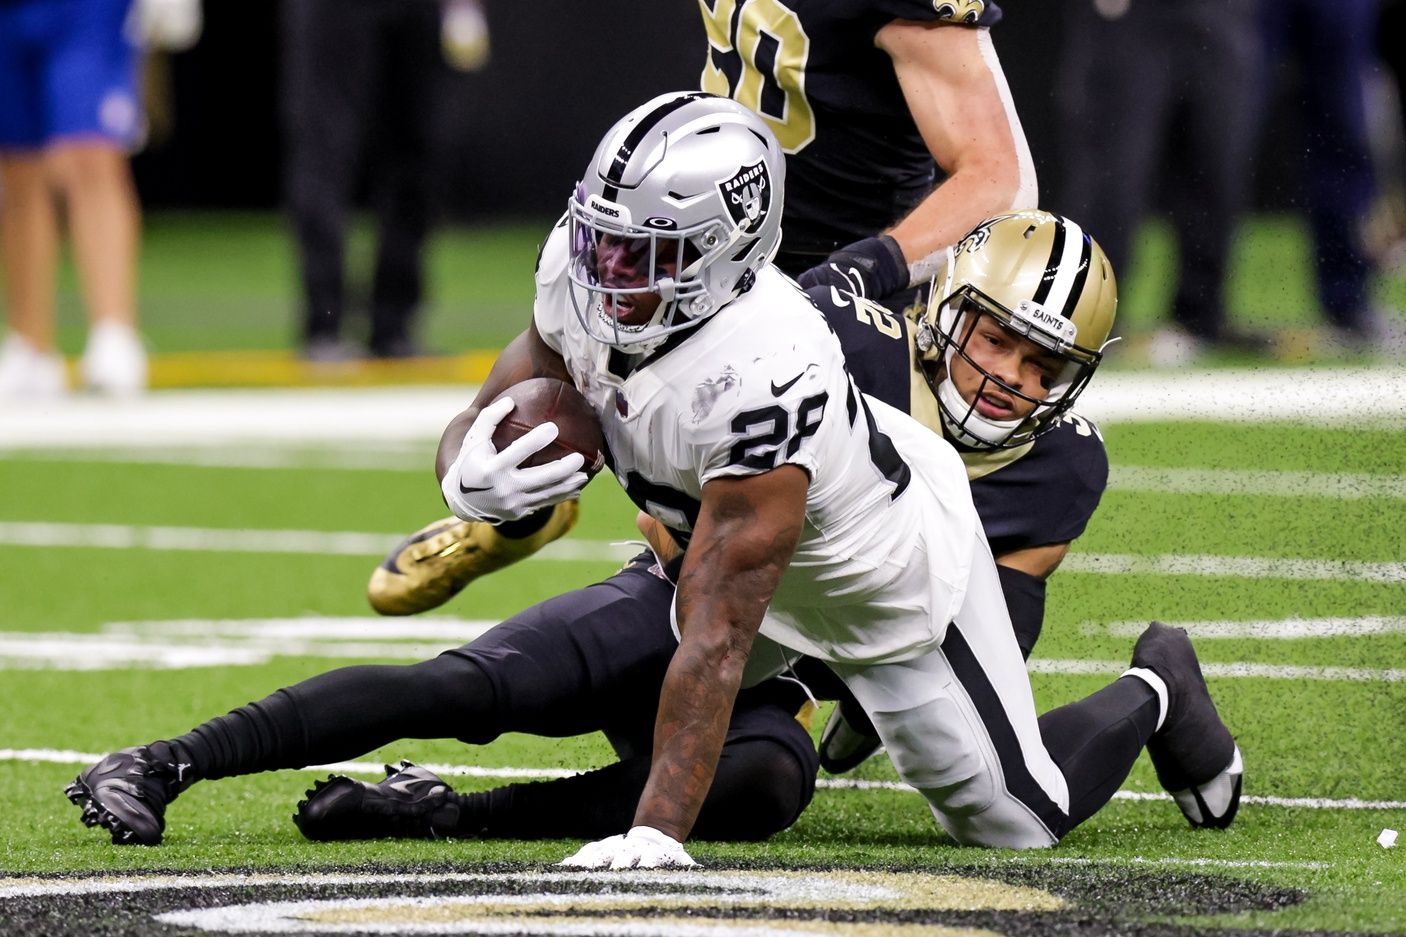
[551,304]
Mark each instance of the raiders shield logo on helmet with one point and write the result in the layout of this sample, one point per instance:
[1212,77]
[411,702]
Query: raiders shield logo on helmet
[747,194]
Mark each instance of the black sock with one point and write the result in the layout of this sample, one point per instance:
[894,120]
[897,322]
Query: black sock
[1096,740]
[336,716]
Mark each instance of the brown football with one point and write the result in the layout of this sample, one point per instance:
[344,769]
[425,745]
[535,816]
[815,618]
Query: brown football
[546,399]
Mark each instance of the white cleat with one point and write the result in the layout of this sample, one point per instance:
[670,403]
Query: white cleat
[26,373]
[114,363]
[1215,803]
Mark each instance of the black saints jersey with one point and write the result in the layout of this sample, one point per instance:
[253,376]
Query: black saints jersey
[855,160]
[1041,493]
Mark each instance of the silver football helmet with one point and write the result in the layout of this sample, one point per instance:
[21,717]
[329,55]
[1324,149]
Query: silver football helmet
[691,185]
[1042,278]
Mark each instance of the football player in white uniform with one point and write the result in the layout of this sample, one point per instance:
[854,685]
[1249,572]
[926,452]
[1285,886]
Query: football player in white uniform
[832,525]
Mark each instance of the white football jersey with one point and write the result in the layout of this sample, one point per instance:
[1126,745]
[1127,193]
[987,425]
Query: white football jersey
[886,550]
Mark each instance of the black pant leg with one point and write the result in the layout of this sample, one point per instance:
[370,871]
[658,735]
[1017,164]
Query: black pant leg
[411,101]
[577,663]
[329,69]
[1096,740]
[1219,43]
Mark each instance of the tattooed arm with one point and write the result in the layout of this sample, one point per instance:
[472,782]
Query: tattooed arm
[747,530]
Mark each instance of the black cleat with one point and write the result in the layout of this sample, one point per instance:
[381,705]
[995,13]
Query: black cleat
[847,740]
[410,803]
[1196,757]
[126,794]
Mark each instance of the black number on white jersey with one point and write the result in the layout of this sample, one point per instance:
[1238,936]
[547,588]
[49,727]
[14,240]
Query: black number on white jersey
[762,449]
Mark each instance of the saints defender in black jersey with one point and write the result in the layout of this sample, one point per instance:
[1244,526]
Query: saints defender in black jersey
[895,117]
[594,659]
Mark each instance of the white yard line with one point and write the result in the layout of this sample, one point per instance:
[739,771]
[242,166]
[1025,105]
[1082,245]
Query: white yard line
[83,759]
[1241,567]
[353,543]
[407,457]
[1233,670]
[410,457]
[1269,629]
[1285,484]
[229,540]
[181,643]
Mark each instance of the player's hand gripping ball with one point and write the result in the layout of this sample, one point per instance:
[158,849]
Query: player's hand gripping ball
[537,444]
[541,400]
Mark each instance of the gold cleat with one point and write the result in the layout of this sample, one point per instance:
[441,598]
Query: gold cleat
[432,565]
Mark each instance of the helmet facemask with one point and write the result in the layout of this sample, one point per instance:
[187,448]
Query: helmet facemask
[950,337]
[688,189]
[684,296]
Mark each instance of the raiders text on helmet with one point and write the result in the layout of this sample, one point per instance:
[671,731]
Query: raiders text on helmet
[688,179]
[1042,278]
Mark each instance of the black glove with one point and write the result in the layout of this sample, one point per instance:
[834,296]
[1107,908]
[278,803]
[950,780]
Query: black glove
[873,267]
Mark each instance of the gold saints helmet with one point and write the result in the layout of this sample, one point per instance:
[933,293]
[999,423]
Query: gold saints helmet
[1042,278]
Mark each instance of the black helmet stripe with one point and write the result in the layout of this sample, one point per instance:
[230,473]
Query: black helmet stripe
[636,134]
[1086,257]
[1066,269]
[1042,292]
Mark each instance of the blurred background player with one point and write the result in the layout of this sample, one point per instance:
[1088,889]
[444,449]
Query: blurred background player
[1164,91]
[875,102]
[69,114]
[1333,50]
[364,82]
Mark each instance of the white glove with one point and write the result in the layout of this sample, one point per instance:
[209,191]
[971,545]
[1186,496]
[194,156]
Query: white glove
[643,847]
[173,25]
[486,485]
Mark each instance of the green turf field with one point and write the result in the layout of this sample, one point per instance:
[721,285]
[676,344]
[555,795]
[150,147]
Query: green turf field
[1314,738]
[146,587]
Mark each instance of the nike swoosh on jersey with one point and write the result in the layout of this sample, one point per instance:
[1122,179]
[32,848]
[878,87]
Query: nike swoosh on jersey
[778,391]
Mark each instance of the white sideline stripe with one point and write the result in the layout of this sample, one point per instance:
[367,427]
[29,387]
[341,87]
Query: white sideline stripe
[1255,482]
[400,414]
[1232,670]
[1272,629]
[352,543]
[83,759]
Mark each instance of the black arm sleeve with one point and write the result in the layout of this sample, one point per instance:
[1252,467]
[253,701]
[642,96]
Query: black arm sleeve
[1025,600]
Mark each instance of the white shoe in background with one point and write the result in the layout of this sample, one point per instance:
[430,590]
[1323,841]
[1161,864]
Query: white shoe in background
[114,363]
[26,373]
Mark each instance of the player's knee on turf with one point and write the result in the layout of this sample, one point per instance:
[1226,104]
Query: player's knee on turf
[762,787]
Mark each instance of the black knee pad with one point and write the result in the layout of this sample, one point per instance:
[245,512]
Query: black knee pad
[765,779]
